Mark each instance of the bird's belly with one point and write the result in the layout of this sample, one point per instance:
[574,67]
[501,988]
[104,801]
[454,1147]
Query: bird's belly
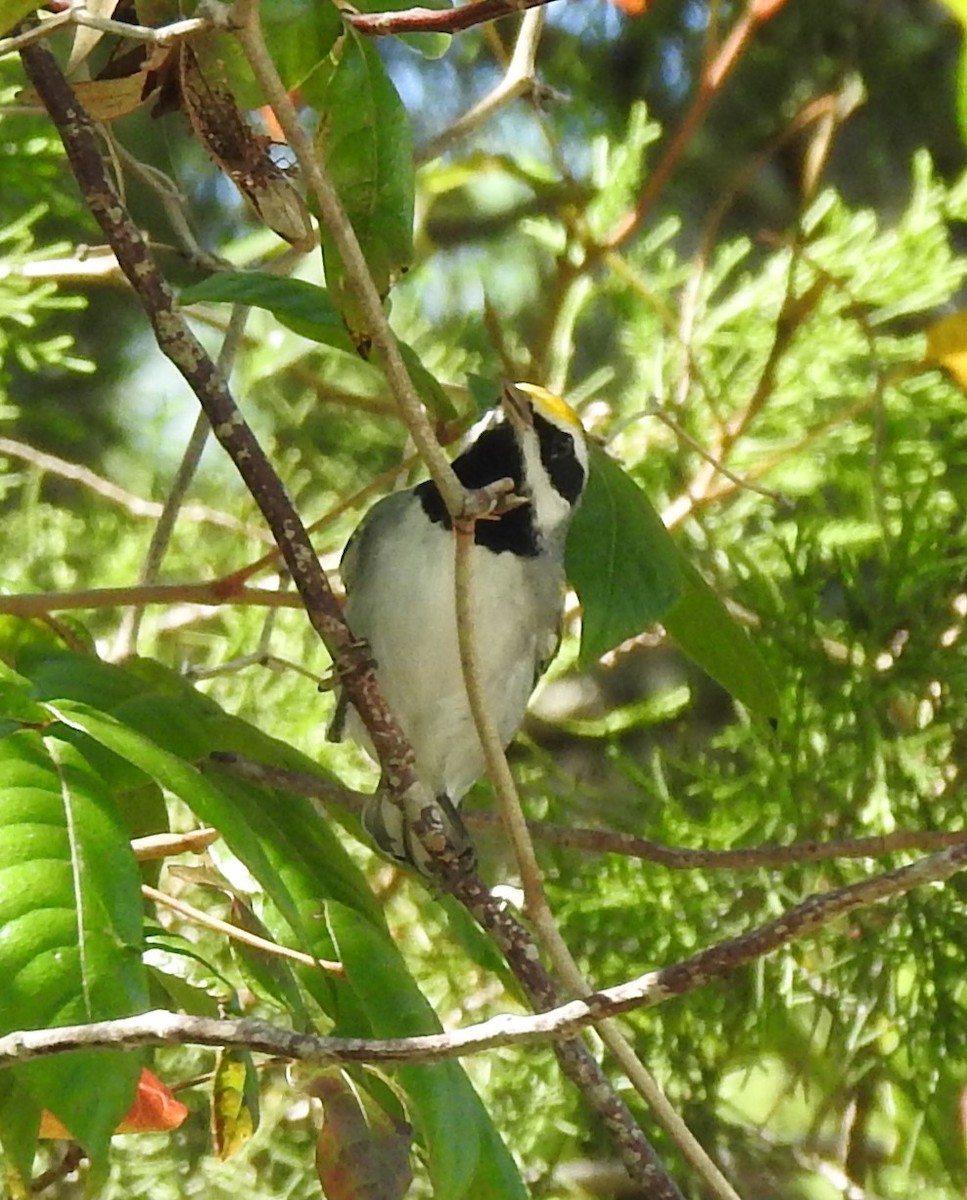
[410,625]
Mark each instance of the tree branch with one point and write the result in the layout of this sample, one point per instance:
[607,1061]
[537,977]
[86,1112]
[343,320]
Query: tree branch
[610,841]
[434,20]
[654,987]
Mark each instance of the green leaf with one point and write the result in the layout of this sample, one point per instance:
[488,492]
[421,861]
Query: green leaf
[303,307]
[709,635]
[465,1155]
[364,141]
[13,11]
[621,559]
[629,573]
[308,310]
[70,929]
[19,1124]
[156,721]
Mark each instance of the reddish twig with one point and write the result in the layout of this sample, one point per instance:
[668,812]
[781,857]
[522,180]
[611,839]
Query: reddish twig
[435,20]
[711,82]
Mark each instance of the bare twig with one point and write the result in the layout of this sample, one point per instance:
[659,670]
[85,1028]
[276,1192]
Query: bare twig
[518,79]
[167,845]
[136,505]
[710,83]
[80,16]
[182,347]
[536,906]
[126,639]
[337,223]
[609,841]
[238,934]
[435,20]
[38,604]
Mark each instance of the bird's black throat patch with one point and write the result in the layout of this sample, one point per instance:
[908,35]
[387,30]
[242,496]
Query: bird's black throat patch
[494,455]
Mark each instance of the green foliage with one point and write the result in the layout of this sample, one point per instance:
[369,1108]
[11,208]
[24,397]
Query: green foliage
[781,334]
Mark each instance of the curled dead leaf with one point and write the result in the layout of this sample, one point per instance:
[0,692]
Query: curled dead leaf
[241,153]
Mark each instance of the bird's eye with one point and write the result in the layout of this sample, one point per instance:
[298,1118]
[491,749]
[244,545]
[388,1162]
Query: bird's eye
[560,459]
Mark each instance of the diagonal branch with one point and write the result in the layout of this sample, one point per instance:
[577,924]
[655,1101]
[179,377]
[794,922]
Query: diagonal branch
[177,341]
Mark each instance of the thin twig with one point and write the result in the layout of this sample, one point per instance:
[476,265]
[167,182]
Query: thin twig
[333,214]
[609,841]
[80,16]
[126,639]
[536,907]
[435,20]
[179,343]
[135,505]
[518,79]
[710,84]
[236,933]
[38,604]
[167,845]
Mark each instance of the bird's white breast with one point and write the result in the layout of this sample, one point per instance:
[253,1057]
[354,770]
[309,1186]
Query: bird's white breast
[399,576]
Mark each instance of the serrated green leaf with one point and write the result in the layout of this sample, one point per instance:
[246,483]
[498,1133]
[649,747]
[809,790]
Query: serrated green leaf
[620,559]
[364,141]
[711,637]
[70,929]
[452,1123]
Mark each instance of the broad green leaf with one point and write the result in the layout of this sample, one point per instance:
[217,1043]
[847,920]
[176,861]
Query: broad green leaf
[303,307]
[710,636]
[629,573]
[19,1124]
[308,310]
[186,781]
[179,726]
[620,559]
[70,929]
[157,721]
[364,141]
[452,1123]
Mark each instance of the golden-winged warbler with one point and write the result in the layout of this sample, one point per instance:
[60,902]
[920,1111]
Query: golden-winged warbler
[398,570]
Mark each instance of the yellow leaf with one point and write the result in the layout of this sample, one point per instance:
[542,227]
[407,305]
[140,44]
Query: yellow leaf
[947,345]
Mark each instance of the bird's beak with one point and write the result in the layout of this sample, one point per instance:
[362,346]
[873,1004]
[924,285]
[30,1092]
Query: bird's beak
[517,406]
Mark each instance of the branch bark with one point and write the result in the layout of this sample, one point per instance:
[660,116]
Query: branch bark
[654,987]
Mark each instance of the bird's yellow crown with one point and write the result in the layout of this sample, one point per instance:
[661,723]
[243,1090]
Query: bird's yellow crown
[551,405]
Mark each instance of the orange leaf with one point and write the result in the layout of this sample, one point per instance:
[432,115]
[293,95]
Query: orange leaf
[634,8]
[155,1110]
